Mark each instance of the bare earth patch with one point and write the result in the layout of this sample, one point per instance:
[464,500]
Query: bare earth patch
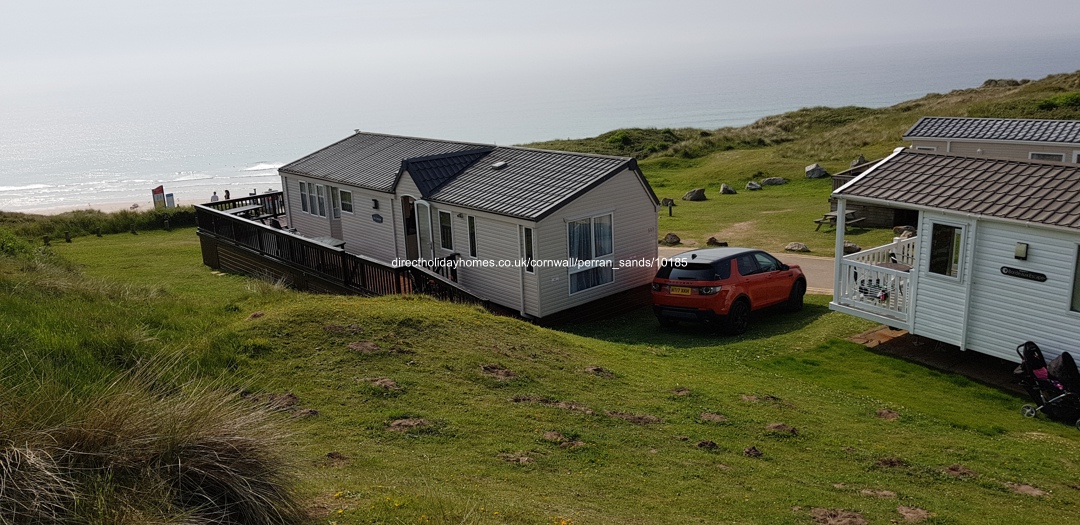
[752,452]
[497,371]
[712,417]
[637,419]
[519,459]
[1027,490]
[402,425]
[914,514]
[553,436]
[959,471]
[572,444]
[305,413]
[707,444]
[837,517]
[782,429]
[599,371]
[337,459]
[255,315]
[547,401]
[364,347]
[682,391]
[739,228]
[891,462]
[383,382]
[887,414]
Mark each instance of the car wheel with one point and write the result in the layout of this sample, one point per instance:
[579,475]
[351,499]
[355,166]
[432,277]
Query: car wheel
[667,322]
[795,299]
[738,318]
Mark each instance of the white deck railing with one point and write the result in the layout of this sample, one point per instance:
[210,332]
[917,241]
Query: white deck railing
[878,281]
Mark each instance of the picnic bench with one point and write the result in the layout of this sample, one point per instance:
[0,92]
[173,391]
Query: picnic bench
[830,219]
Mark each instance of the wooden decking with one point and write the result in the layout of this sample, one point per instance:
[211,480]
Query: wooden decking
[236,244]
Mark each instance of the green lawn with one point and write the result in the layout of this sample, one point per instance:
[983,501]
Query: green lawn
[520,427]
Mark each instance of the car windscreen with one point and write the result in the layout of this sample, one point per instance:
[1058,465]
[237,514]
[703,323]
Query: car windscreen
[689,272]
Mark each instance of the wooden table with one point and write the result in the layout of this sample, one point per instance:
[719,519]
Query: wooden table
[831,217]
[244,210]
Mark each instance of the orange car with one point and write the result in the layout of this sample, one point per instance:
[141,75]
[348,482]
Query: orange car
[723,285]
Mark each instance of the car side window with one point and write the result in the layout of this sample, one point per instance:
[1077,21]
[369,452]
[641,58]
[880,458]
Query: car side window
[766,262]
[722,269]
[747,265]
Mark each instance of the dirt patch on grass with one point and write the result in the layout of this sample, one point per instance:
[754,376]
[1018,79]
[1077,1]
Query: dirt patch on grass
[497,371]
[547,401]
[887,415]
[781,429]
[878,493]
[891,462]
[336,459]
[384,383]
[555,437]
[766,398]
[637,419]
[707,445]
[713,417]
[255,315]
[752,452]
[837,517]
[600,371]
[519,459]
[959,471]
[403,425]
[681,391]
[364,347]
[739,228]
[1027,490]
[914,514]
[305,413]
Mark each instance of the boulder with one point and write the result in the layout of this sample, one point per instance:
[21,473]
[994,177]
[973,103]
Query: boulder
[859,161]
[773,181]
[667,201]
[796,247]
[727,190]
[713,242]
[671,239]
[850,247]
[815,171]
[753,186]
[696,194]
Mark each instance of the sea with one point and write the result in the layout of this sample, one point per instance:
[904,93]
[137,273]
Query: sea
[107,146]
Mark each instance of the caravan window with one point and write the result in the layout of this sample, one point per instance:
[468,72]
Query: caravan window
[946,244]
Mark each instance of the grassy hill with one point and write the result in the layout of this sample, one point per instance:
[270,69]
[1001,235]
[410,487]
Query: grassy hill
[407,410]
[677,160]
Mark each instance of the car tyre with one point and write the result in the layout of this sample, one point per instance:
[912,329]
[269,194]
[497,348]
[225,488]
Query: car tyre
[738,317]
[795,298]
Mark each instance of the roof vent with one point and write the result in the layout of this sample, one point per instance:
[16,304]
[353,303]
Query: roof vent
[499,165]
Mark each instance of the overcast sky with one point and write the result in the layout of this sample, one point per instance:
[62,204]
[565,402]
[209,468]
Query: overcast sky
[51,46]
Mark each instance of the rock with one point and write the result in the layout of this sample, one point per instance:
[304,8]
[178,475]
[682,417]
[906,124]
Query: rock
[850,247]
[713,242]
[666,201]
[753,186]
[815,171]
[696,194]
[899,230]
[726,190]
[752,452]
[671,239]
[859,161]
[796,247]
[773,181]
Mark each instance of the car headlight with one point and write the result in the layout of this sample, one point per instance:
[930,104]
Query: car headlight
[709,290]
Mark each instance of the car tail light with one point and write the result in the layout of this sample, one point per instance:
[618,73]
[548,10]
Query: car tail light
[656,287]
[708,290]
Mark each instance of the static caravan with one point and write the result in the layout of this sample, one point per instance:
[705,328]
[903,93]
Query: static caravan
[995,259]
[509,220]
[1038,140]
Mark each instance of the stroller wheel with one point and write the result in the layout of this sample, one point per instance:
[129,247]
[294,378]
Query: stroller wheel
[1078,424]
[1032,410]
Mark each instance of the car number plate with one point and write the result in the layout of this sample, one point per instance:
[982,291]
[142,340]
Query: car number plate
[680,290]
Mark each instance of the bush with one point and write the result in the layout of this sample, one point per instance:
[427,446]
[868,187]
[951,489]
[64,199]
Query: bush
[89,222]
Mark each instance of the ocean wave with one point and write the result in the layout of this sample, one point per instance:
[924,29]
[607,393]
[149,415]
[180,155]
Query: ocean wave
[264,166]
[27,187]
[192,176]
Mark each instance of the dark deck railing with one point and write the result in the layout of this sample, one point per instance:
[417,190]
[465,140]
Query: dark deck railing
[310,258]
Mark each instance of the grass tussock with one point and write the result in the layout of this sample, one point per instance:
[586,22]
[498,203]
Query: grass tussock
[136,451]
[79,223]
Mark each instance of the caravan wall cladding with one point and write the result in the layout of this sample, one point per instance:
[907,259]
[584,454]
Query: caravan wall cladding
[1000,301]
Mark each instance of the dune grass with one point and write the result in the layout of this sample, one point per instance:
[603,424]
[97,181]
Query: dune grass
[408,410]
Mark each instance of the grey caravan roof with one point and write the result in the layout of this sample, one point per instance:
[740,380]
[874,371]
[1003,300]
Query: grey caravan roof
[517,182]
[1004,129]
[1024,191]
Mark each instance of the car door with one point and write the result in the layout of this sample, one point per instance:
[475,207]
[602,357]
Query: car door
[753,282]
[777,280]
